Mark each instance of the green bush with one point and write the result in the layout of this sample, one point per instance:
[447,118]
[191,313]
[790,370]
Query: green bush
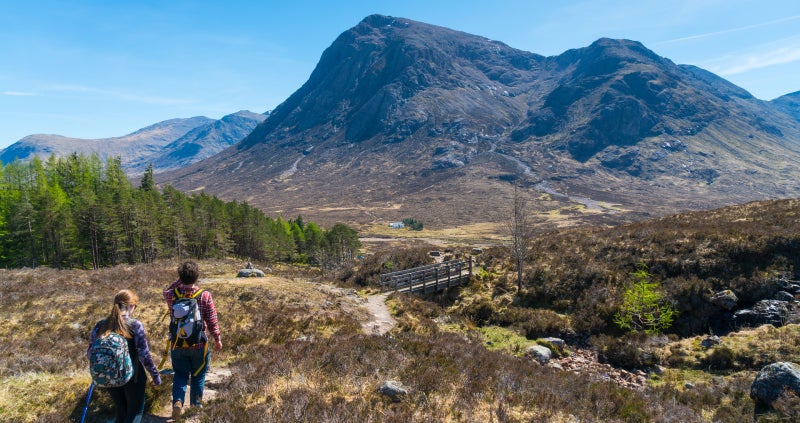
[643,306]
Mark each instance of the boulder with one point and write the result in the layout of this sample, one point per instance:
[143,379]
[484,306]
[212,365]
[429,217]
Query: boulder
[773,312]
[393,389]
[710,341]
[792,287]
[725,299]
[558,342]
[784,296]
[539,353]
[250,273]
[772,380]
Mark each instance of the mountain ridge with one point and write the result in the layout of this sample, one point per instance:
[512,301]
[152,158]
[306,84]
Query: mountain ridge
[149,138]
[168,145]
[404,118]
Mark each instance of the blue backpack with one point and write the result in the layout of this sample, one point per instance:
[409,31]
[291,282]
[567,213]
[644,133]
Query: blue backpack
[110,361]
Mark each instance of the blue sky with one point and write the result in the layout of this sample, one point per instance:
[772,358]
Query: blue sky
[95,69]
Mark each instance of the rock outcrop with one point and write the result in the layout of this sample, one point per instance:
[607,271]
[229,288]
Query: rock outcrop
[250,273]
[539,353]
[773,312]
[393,389]
[725,299]
[772,380]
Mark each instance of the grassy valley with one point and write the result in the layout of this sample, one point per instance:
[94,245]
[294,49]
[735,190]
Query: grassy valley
[296,350]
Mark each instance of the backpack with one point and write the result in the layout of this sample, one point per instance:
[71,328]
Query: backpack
[186,326]
[110,361]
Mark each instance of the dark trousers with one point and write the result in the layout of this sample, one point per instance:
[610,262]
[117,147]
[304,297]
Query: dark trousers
[186,362]
[129,398]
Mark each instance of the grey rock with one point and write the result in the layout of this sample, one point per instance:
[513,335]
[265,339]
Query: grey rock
[772,312]
[773,379]
[784,296]
[710,341]
[790,286]
[539,353]
[393,389]
[555,341]
[725,299]
[250,273]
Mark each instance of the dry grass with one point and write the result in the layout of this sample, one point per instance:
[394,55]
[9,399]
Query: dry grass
[50,315]
[747,350]
[297,353]
[472,234]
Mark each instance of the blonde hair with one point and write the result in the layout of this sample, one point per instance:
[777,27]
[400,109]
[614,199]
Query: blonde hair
[115,322]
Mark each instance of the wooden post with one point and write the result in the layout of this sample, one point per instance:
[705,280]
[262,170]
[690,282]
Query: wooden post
[470,269]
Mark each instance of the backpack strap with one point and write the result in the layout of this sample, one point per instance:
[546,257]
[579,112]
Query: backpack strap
[205,363]
[180,295]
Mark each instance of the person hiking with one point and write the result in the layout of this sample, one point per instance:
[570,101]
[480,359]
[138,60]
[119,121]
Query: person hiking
[128,398]
[190,355]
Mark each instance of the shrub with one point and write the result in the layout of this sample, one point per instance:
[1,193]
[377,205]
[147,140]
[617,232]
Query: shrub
[480,311]
[413,224]
[787,406]
[721,358]
[631,351]
[643,308]
[533,322]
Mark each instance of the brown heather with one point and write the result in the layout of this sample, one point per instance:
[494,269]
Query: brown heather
[297,352]
[294,359]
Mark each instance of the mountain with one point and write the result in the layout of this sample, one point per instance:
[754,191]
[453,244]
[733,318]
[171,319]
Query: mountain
[406,119]
[201,142]
[144,141]
[168,145]
[789,104]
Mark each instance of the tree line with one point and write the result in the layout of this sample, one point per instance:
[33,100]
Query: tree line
[82,212]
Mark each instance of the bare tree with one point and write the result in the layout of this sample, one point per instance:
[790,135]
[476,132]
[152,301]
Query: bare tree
[521,231]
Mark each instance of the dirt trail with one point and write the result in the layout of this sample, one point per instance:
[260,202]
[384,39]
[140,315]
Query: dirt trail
[379,322]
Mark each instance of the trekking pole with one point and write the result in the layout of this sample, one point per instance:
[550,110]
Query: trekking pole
[160,366]
[86,407]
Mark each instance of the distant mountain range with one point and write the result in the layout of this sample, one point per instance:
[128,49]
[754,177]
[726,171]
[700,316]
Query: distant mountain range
[168,145]
[405,119]
[789,104]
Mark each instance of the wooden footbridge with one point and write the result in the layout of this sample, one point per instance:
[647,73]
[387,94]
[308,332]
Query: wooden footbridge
[427,279]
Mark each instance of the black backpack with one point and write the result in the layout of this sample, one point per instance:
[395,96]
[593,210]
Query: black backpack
[186,326]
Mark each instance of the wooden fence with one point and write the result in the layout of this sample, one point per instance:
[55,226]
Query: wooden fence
[430,278]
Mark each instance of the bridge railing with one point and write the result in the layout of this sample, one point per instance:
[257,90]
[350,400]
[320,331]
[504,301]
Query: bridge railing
[429,278]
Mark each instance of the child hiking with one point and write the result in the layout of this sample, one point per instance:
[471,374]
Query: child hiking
[192,313]
[118,356]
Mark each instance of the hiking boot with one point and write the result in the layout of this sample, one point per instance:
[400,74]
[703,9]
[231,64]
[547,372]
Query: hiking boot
[176,410]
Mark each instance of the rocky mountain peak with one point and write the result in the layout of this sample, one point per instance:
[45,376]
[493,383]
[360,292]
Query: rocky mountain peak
[397,107]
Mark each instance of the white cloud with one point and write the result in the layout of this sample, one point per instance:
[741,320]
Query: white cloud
[760,60]
[19,93]
[731,30]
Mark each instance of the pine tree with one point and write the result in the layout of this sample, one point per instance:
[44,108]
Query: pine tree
[148,183]
[644,308]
